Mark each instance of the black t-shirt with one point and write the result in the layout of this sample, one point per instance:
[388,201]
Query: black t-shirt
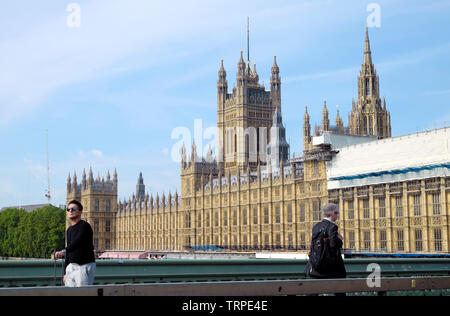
[80,246]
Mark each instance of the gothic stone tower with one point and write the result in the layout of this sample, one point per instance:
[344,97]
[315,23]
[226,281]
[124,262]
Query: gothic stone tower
[278,147]
[244,117]
[369,117]
[99,200]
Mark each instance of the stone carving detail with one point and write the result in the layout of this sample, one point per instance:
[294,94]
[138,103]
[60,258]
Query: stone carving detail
[436,220]
[399,222]
[417,221]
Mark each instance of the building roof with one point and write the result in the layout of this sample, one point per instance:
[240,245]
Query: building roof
[125,255]
[28,208]
[340,140]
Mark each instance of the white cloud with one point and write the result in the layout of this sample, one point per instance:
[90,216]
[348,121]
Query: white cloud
[97,153]
[82,155]
[37,170]
[94,153]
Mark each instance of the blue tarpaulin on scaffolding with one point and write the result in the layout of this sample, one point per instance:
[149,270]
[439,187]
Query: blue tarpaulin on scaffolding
[391,172]
[207,248]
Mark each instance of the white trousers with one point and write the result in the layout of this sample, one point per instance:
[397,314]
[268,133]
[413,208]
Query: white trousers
[80,275]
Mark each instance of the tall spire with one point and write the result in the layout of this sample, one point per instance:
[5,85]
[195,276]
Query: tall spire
[193,153]
[241,65]
[248,39]
[368,117]
[222,83]
[255,74]
[306,116]
[339,123]
[325,120]
[278,148]
[183,155]
[275,68]
[74,183]
[140,188]
[306,130]
[367,52]
[69,184]
[222,72]
[91,176]
[275,84]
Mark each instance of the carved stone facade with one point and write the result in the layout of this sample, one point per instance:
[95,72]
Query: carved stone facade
[408,216]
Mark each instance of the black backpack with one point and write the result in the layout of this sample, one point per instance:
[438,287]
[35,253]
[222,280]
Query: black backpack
[319,256]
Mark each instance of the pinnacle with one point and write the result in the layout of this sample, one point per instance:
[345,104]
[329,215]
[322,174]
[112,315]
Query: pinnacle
[367,51]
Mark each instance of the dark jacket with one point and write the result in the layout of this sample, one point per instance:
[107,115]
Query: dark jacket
[336,268]
[80,246]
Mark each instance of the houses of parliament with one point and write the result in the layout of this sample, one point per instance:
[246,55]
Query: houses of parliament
[253,195]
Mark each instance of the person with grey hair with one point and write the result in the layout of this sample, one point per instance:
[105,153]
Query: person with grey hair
[325,257]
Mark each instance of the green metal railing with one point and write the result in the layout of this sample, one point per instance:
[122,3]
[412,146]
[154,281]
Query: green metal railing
[48,272]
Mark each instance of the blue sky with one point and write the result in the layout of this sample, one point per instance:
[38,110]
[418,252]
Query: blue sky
[112,91]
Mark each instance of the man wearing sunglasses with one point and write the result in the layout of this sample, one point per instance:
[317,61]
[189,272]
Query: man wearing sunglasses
[79,254]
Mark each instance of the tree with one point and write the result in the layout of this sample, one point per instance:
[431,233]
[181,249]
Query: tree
[36,234]
[9,222]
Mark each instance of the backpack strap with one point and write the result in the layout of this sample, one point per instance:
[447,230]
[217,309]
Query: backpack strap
[325,231]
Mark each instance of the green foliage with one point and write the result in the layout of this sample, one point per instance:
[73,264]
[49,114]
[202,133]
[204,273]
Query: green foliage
[34,235]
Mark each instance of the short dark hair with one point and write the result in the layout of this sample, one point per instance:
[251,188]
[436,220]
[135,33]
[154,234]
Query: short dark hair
[80,207]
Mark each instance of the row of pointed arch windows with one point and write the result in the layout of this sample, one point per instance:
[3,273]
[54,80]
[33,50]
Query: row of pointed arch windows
[369,127]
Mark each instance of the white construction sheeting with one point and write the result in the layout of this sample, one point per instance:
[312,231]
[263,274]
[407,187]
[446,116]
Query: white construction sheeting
[409,157]
[339,141]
